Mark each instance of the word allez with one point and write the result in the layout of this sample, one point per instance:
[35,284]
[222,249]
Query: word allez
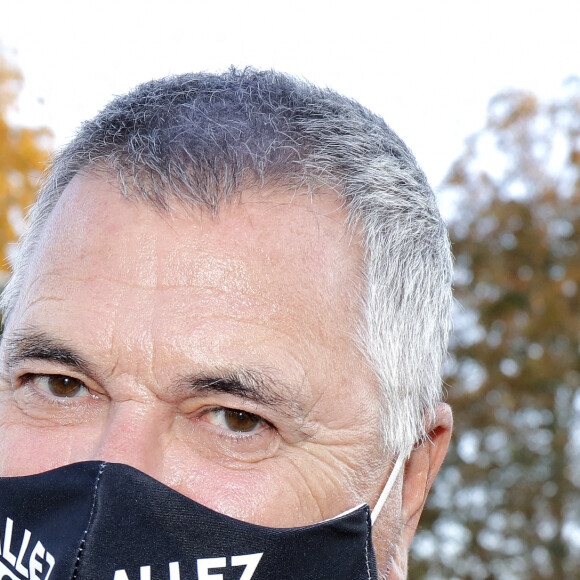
[204,567]
[19,559]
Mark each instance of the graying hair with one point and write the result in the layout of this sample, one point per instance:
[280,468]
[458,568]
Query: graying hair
[201,138]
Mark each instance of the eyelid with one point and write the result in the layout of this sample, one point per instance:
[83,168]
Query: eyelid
[291,429]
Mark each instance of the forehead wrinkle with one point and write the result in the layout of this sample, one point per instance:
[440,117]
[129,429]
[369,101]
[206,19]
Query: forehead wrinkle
[40,300]
[226,273]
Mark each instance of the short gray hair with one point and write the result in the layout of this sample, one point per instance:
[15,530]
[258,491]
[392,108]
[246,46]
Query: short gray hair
[201,138]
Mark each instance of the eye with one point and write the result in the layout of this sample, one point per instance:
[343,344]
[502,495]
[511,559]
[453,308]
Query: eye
[236,420]
[60,386]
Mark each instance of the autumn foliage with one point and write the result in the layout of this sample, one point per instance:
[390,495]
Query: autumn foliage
[23,155]
[507,503]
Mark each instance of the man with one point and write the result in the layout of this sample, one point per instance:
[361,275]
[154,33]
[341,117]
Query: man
[238,285]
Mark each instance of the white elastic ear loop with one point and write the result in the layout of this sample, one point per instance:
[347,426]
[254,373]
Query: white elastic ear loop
[389,485]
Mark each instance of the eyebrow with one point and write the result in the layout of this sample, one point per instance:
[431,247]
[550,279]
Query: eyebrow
[253,385]
[35,345]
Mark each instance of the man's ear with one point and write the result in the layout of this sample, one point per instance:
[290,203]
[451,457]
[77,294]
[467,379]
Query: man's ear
[421,469]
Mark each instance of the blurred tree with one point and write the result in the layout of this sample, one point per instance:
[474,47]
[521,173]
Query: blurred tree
[507,503]
[23,152]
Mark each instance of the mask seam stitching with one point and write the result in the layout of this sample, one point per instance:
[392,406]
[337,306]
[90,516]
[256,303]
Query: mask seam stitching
[91,514]
[369,528]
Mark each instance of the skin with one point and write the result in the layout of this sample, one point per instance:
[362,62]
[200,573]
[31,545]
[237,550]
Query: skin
[213,353]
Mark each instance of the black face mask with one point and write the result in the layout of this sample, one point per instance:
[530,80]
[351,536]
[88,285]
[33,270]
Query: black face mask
[106,521]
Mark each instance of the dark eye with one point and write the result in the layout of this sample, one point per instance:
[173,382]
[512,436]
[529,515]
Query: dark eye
[242,421]
[235,420]
[60,386]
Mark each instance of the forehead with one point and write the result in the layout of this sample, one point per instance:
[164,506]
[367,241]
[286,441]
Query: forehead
[279,263]
[256,243]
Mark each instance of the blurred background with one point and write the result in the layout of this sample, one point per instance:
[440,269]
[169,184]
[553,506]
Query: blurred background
[487,95]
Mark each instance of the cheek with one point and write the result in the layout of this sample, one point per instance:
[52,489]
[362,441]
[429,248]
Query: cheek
[294,488]
[274,498]
[27,449]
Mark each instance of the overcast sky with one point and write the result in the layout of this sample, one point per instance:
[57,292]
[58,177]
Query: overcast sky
[428,67]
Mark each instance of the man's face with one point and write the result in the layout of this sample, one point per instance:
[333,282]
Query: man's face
[214,354]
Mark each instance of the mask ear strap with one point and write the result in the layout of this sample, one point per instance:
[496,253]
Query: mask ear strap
[387,489]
